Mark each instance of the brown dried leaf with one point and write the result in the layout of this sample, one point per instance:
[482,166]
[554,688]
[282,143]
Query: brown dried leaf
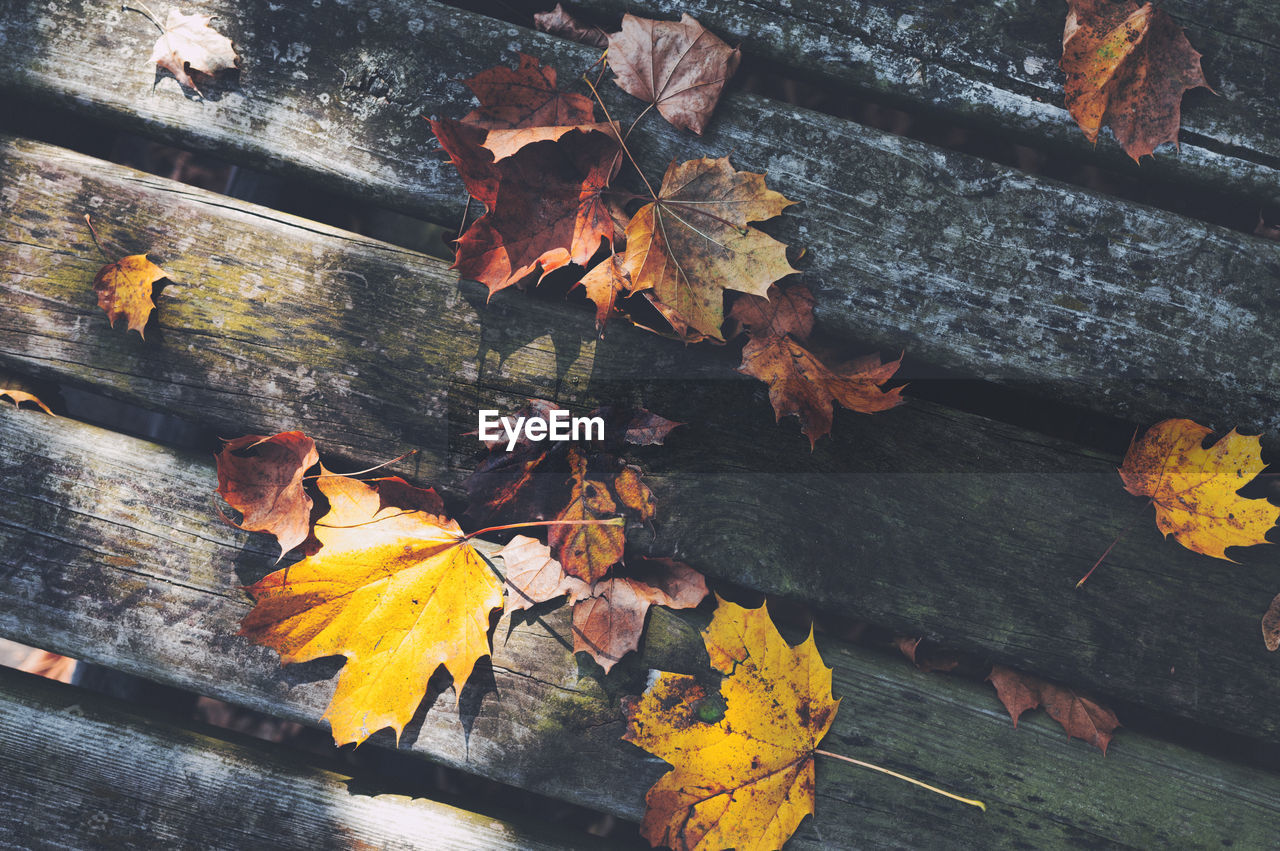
[1271,625]
[561,23]
[927,662]
[533,576]
[261,477]
[681,68]
[1082,717]
[190,47]
[523,97]
[1127,65]
[782,312]
[124,289]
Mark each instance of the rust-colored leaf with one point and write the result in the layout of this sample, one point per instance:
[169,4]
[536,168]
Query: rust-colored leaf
[1271,625]
[526,96]
[681,68]
[587,550]
[693,242]
[1127,65]
[124,289]
[560,22]
[780,313]
[261,477]
[745,780]
[1082,717]
[534,576]
[396,590]
[927,661]
[190,49]
[1195,489]
[545,203]
[609,623]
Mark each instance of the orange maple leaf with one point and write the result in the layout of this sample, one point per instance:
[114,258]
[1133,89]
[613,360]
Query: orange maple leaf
[746,780]
[1195,489]
[693,242]
[396,590]
[124,288]
[1127,65]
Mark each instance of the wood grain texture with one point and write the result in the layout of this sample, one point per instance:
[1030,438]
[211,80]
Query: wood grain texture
[994,64]
[968,266]
[110,551]
[922,519]
[79,770]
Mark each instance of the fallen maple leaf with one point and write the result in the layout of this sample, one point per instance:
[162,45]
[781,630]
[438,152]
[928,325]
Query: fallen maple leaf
[534,576]
[1271,625]
[747,780]
[680,68]
[526,96]
[608,624]
[693,242]
[397,591]
[1082,717]
[1127,65]
[124,289]
[587,550]
[261,477]
[544,202]
[1195,489]
[603,283]
[190,47]
[560,22]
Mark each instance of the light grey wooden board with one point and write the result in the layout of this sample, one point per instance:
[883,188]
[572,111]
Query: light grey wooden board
[968,266]
[84,771]
[994,64]
[922,519]
[111,551]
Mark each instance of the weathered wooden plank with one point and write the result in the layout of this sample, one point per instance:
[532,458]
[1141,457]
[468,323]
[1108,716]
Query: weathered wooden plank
[111,551]
[80,770]
[968,266]
[922,519]
[994,64]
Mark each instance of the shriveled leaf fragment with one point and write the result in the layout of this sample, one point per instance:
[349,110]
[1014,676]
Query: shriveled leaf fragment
[545,203]
[635,426]
[1127,65]
[694,241]
[560,22]
[928,661]
[534,576]
[190,48]
[635,494]
[124,289]
[1271,625]
[18,392]
[1082,717]
[747,780]
[396,590]
[587,550]
[1195,489]
[679,67]
[608,624]
[261,477]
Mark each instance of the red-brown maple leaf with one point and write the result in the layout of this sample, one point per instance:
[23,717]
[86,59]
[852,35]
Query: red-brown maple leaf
[261,477]
[1082,717]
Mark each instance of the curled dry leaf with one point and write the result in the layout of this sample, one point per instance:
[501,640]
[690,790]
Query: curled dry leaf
[1127,65]
[609,623]
[928,661]
[261,477]
[545,205]
[534,576]
[18,392]
[190,49]
[1271,625]
[560,22]
[693,242]
[587,550]
[1082,717]
[747,780]
[1195,489]
[396,590]
[124,289]
[635,494]
[681,68]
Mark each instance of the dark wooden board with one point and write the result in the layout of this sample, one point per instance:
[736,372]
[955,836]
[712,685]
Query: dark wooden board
[83,771]
[922,519]
[968,266]
[111,551]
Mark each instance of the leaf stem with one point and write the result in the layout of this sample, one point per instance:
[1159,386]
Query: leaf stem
[625,149]
[142,7]
[612,521]
[1112,546]
[93,233]
[362,472]
[970,801]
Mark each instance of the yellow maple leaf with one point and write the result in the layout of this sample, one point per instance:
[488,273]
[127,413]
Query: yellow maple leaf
[395,589]
[747,780]
[1195,489]
[124,289]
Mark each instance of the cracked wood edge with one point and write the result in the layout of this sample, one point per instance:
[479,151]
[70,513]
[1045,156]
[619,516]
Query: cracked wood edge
[966,265]
[111,552]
